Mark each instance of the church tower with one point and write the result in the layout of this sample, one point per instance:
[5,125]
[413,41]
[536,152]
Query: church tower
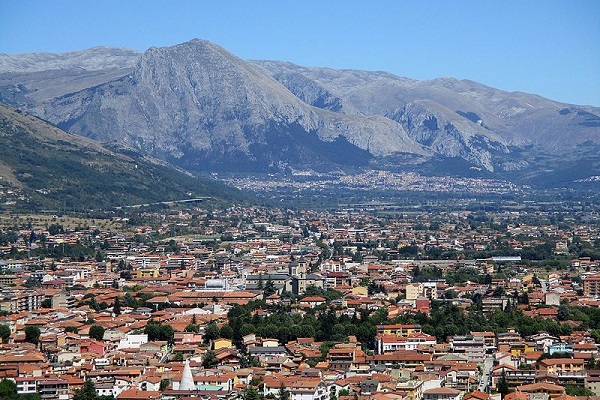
[187,379]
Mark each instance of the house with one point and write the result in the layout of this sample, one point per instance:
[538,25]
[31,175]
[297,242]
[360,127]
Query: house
[399,329]
[473,347]
[53,389]
[592,381]
[26,385]
[312,301]
[549,389]
[299,387]
[150,383]
[136,394]
[346,359]
[222,343]
[389,343]
[560,366]
[442,393]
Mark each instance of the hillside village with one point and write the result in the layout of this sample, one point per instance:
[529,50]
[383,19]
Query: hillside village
[245,302]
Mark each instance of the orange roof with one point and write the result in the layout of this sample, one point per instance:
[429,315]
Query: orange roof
[135,394]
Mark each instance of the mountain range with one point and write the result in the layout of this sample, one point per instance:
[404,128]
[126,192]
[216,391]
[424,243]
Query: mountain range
[201,108]
[45,168]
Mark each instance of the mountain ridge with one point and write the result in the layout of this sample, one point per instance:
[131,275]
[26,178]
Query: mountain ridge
[202,108]
[53,168]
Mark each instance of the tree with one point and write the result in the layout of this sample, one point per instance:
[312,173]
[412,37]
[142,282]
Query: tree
[283,394]
[156,331]
[128,300]
[94,304]
[503,385]
[96,332]
[117,306]
[211,332]
[55,229]
[269,288]
[72,329]
[574,390]
[227,332]
[250,393]
[210,359]
[32,334]
[164,383]
[4,333]
[562,312]
[8,389]
[87,392]
[192,328]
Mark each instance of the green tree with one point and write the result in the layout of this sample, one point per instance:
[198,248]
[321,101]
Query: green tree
[72,329]
[269,288]
[156,331]
[574,390]
[4,333]
[8,389]
[87,392]
[96,332]
[192,328]
[129,301]
[226,332]
[210,359]
[32,334]
[503,385]
[164,383]
[55,229]
[250,393]
[284,393]
[117,306]
[211,332]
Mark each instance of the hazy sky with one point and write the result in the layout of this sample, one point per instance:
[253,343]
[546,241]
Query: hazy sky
[546,47]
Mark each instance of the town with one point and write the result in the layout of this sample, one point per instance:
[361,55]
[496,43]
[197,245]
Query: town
[186,301]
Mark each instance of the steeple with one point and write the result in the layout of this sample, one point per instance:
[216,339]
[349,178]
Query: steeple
[187,379]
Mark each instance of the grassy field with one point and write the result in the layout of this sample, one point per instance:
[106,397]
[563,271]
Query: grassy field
[34,221]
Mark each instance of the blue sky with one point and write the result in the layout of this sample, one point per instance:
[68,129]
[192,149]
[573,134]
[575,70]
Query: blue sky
[546,47]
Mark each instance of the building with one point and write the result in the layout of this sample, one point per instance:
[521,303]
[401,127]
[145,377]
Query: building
[53,389]
[549,389]
[390,343]
[591,286]
[399,329]
[63,300]
[592,381]
[442,393]
[473,347]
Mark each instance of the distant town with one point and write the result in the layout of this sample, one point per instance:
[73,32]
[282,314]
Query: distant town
[191,300]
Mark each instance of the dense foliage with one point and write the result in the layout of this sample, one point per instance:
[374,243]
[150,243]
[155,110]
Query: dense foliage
[324,324]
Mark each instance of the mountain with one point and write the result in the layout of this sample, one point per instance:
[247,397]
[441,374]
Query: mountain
[52,169]
[449,115]
[202,108]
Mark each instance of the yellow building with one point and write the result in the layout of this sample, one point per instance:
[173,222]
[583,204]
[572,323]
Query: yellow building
[222,343]
[360,291]
[147,272]
[399,329]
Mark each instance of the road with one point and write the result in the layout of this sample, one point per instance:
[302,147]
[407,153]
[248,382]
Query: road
[486,373]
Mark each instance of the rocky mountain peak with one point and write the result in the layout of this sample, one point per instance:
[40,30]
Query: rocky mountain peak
[203,108]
